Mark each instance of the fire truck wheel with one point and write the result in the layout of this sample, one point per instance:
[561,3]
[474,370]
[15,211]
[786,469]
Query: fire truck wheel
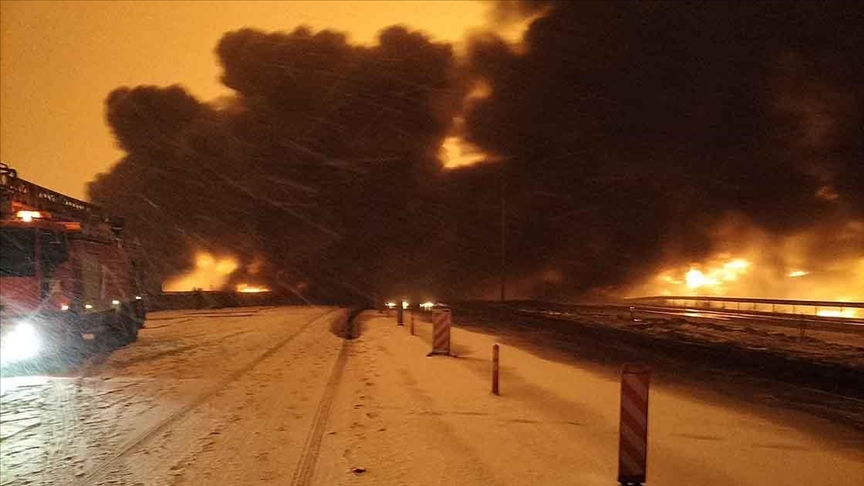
[129,324]
[74,347]
[140,314]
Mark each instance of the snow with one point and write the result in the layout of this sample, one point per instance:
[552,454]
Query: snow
[413,419]
[87,419]
[839,348]
[275,396]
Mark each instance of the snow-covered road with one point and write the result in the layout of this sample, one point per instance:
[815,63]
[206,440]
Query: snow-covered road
[193,379]
[417,420]
[275,396]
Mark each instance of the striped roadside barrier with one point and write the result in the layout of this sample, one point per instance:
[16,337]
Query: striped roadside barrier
[495,370]
[441,332]
[633,429]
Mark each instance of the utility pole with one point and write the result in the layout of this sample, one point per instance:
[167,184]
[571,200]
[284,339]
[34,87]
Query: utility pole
[503,236]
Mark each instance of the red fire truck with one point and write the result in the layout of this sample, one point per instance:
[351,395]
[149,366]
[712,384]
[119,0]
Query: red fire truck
[66,276]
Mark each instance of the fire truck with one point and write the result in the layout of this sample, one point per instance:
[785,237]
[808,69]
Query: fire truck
[69,283]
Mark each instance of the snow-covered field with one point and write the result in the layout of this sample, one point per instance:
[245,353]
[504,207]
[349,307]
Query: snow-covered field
[842,348]
[274,396]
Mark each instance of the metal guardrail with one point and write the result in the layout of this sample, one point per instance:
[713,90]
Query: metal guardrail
[818,303]
[829,309]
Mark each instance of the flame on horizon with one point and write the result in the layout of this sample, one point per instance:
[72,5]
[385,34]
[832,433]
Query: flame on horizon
[210,273]
[820,264]
[245,288]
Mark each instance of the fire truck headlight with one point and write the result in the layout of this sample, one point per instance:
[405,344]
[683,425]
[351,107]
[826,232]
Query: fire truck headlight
[19,344]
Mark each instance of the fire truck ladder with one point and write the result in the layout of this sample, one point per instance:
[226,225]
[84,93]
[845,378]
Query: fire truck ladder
[38,198]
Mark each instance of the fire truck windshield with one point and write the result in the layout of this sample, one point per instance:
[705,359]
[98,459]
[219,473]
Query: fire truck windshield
[17,252]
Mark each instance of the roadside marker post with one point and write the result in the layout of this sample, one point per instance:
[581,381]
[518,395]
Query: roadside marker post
[441,332]
[400,315]
[633,428]
[495,370]
[412,323]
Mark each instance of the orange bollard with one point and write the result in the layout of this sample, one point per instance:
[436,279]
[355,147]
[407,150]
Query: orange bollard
[495,370]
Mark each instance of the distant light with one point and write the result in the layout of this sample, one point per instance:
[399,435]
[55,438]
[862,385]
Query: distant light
[798,273]
[64,307]
[427,305]
[406,304]
[28,216]
[88,306]
[137,297]
[390,305]
[115,302]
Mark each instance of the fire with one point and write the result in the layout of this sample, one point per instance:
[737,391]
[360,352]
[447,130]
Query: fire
[695,279]
[455,152]
[251,289]
[822,263]
[210,273]
[743,277]
[712,276]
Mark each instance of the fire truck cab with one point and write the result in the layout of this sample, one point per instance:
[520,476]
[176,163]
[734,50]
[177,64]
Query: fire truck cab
[66,276]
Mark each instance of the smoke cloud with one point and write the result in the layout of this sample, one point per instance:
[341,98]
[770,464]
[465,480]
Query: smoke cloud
[634,128]
[319,164]
[620,135]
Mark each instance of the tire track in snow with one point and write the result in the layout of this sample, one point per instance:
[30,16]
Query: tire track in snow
[99,470]
[305,470]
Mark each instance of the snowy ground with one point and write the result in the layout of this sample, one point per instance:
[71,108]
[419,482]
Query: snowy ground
[274,396]
[846,348]
[139,411]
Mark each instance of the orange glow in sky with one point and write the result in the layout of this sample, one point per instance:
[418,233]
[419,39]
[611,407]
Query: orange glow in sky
[61,59]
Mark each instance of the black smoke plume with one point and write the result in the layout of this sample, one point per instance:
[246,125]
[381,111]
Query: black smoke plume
[320,164]
[620,132]
[632,128]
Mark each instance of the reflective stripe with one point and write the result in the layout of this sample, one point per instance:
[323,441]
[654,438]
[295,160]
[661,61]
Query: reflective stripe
[441,333]
[629,466]
[638,415]
[633,428]
[635,383]
[632,438]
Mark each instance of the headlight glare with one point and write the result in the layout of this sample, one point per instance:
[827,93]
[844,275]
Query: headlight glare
[21,343]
